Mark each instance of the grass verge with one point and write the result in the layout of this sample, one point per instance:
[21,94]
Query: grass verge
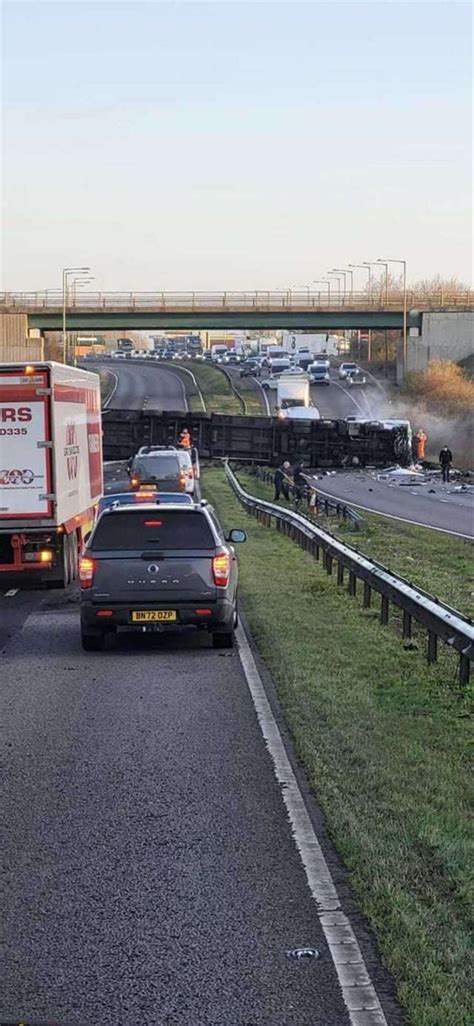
[218,394]
[439,563]
[384,740]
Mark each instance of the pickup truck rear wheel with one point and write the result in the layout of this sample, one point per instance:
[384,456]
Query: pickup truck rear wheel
[223,640]
[92,642]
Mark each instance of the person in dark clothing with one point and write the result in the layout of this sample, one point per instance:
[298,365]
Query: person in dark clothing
[445,459]
[299,482]
[281,481]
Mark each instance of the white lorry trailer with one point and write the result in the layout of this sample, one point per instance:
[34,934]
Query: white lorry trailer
[293,390]
[50,467]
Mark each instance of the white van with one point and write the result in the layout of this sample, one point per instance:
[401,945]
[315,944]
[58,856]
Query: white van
[218,351]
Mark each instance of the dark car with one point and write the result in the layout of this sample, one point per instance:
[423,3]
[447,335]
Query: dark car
[355,377]
[169,470]
[250,368]
[158,568]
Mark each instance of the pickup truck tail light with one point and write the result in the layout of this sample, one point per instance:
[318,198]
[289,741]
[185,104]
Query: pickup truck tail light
[86,571]
[221,569]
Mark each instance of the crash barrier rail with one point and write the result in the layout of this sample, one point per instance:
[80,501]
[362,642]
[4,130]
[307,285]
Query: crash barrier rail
[283,299]
[440,620]
[264,440]
[314,501]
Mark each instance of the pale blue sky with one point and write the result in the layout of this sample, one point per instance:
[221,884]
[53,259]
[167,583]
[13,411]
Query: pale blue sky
[234,145]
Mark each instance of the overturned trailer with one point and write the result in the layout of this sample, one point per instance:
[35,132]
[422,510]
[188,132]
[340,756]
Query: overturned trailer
[320,443]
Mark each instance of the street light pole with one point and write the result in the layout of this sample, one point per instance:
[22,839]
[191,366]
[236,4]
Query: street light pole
[67,271]
[340,270]
[327,284]
[365,266]
[384,263]
[338,279]
[405,311]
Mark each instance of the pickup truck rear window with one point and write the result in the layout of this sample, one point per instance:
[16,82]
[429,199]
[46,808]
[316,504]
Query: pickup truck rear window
[162,468]
[155,529]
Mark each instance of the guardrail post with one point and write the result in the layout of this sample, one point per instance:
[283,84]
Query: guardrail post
[432,647]
[340,573]
[315,549]
[384,610]
[352,585]
[367,595]
[406,629]
[329,564]
[464,669]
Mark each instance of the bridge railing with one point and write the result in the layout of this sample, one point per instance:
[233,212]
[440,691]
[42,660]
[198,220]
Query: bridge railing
[239,301]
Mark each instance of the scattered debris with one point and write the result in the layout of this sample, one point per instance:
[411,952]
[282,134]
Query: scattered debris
[302,953]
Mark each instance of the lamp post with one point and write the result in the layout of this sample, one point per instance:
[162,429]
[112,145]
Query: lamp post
[366,266]
[340,270]
[65,275]
[384,263]
[405,312]
[327,284]
[307,287]
[338,279]
[78,283]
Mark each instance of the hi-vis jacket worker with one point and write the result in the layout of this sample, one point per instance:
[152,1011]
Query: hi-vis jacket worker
[420,444]
[185,439]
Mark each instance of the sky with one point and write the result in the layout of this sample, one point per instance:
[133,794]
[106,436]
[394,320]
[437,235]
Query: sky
[208,146]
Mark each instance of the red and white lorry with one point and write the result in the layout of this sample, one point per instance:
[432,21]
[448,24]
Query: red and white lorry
[50,467]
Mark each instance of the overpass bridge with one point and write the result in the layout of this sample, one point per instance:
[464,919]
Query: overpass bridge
[227,310]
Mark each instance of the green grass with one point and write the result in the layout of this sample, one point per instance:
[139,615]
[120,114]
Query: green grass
[218,395]
[384,740]
[441,564]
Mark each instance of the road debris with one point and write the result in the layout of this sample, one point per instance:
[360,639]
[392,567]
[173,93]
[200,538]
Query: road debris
[302,953]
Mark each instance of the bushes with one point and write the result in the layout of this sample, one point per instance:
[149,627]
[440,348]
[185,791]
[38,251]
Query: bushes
[443,385]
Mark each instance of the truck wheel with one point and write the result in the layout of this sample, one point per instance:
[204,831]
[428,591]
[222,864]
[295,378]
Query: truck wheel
[92,642]
[223,640]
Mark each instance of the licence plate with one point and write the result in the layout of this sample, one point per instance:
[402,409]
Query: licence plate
[147,615]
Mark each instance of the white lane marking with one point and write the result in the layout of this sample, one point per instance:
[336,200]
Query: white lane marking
[181,382]
[12,592]
[349,395]
[358,991]
[393,516]
[185,370]
[265,396]
[111,394]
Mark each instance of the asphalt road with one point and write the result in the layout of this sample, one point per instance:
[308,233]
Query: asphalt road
[336,401]
[158,387]
[151,872]
[432,505]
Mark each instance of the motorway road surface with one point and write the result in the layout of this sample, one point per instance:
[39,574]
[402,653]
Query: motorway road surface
[160,387]
[432,505]
[151,871]
[152,876]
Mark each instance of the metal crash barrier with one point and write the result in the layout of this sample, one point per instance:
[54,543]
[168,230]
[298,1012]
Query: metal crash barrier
[440,620]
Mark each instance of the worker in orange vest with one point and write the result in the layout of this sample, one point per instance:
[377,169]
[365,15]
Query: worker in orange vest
[420,444]
[185,439]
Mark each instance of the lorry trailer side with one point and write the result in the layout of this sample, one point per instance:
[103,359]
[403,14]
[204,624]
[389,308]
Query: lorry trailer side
[51,475]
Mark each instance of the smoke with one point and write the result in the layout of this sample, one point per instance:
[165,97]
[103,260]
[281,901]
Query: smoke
[457,433]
